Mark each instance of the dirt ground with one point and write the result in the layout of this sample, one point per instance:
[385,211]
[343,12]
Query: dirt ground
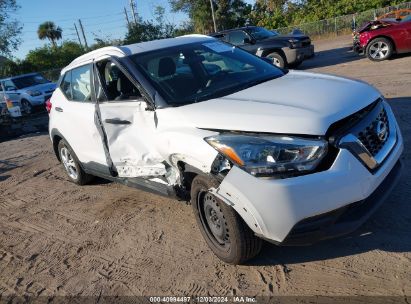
[59,239]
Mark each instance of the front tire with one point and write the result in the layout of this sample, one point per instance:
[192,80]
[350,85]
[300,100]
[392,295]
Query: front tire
[27,107]
[278,60]
[223,229]
[71,164]
[379,49]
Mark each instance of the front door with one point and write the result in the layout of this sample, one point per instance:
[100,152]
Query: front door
[128,127]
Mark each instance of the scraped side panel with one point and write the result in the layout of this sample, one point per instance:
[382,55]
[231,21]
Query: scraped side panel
[130,142]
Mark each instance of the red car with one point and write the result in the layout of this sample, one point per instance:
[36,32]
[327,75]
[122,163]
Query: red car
[381,38]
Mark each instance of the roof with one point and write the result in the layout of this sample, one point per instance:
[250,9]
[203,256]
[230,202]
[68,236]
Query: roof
[19,76]
[234,29]
[126,50]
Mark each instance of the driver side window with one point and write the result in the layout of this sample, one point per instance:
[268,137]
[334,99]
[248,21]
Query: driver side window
[115,85]
[237,37]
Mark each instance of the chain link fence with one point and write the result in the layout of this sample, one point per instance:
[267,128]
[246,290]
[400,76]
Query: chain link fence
[343,24]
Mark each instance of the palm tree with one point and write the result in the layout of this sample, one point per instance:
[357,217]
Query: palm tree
[48,30]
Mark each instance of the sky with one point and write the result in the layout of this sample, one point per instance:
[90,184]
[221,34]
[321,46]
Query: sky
[100,18]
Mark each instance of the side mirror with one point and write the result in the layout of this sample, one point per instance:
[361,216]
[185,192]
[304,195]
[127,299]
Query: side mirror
[11,89]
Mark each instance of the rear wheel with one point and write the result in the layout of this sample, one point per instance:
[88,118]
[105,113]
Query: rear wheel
[278,59]
[71,164]
[223,229]
[379,49]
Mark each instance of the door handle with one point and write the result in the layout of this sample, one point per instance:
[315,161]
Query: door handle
[58,109]
[115,121]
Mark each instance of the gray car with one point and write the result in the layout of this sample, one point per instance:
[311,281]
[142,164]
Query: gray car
[285,51]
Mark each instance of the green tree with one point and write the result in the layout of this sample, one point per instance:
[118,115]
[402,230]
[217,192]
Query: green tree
[10,28]
[48,30]
[150,29]
[47,58]
[228,13]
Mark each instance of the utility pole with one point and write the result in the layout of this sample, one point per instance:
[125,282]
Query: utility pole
[133,10]
[125,13]
[84,36]
[212,14]
[78,36]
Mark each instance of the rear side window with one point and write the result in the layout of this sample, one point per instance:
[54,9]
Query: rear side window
[81,83]
[76,84]
[65,85]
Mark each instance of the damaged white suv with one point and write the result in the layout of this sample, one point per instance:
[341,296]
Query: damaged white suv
[261,153]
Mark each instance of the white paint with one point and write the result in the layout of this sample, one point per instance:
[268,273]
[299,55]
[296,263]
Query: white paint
[154,142]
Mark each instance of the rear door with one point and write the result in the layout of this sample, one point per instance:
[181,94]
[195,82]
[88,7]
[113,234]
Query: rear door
[407,30]
[73,110]
[128,127]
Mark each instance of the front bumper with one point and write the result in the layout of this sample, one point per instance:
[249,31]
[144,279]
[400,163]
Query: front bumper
[343,220]
[37,100]
[275,208]
[298,54]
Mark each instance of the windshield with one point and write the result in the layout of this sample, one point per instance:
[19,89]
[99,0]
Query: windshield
[199,71]
[260,33]
[29,81]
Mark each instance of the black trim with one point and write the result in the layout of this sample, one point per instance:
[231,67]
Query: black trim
[141,183]
[343,220]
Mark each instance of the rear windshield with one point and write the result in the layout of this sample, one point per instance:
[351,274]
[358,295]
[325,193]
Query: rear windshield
[29,81]
[199,71]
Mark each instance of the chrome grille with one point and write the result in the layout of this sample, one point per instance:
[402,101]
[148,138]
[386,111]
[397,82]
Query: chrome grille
[369,137]
[372,138]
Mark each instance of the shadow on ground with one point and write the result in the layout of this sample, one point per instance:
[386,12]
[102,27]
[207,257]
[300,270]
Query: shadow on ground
[331,57]
[16,127]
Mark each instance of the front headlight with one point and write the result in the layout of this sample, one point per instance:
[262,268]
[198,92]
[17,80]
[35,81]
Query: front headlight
[269,155]
[294,43]
[34,93]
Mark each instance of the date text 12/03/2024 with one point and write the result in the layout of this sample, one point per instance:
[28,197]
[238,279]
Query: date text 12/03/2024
[206,299]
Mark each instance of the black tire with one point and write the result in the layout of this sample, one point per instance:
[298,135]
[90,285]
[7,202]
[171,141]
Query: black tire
[80,177]
[278,60]
[237,243]
[26,106]
[379,49]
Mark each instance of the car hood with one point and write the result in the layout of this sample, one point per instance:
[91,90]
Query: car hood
[44,88]
[383,22]
[297,103]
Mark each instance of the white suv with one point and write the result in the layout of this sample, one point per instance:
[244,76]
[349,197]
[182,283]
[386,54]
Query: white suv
[261,153]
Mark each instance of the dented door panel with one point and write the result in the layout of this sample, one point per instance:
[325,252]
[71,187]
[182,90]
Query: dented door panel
[130,130]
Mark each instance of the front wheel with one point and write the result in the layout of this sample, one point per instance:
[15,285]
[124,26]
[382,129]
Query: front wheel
[223,229]
[27,107]
[379,49]
[278,60]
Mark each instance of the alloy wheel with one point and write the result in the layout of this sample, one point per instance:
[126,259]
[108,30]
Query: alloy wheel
[69,163]
[379,50]
[27,107]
